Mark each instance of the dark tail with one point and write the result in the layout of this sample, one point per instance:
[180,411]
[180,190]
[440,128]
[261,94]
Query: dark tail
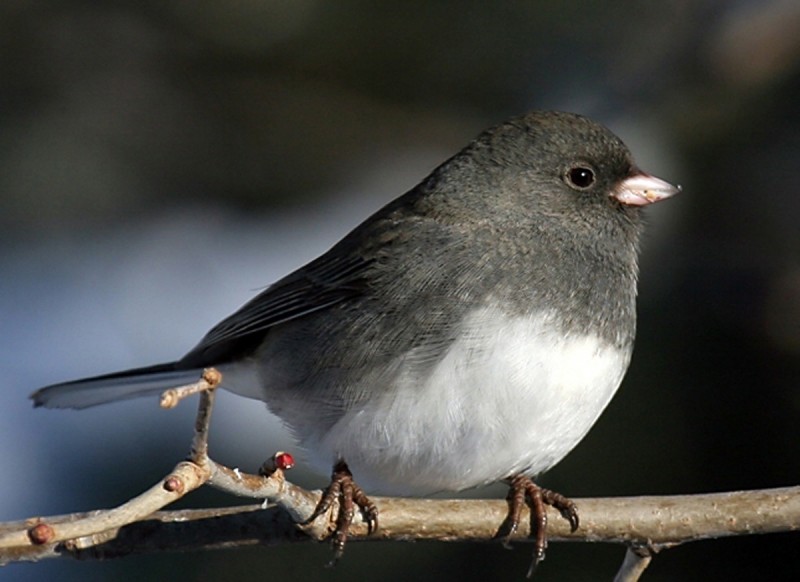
[117,386]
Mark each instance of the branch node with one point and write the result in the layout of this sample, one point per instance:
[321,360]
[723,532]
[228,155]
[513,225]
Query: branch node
[280,461]
[210,379]
[174,484]
[637,559]
[41,534]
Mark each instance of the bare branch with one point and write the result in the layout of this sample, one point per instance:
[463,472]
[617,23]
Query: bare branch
[649,522]
[644,524]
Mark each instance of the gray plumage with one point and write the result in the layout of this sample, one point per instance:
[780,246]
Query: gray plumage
[422,297]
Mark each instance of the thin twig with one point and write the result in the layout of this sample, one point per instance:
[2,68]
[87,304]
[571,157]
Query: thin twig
[184,477]
[637,558]
[209,380]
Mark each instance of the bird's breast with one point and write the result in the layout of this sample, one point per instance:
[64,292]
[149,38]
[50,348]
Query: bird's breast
[511,394]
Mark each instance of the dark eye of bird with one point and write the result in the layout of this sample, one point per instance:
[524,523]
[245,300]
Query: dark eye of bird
[580,177]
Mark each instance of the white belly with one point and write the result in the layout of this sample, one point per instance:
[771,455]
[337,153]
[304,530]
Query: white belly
[511,395]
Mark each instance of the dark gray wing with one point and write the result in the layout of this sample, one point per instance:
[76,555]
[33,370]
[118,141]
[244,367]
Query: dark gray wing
[328,280]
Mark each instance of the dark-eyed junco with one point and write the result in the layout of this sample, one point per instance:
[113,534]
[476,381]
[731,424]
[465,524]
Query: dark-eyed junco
[470,331]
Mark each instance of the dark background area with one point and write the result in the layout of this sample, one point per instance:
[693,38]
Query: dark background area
[162,161]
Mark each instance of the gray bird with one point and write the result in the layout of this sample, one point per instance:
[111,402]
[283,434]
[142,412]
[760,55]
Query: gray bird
[468,332]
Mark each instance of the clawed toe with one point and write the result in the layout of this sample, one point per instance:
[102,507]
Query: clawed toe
[349,495]
[522,490]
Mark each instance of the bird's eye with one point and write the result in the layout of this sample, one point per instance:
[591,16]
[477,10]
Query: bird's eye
[580,177]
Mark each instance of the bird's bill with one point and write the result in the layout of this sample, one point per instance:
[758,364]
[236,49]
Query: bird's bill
[641,189]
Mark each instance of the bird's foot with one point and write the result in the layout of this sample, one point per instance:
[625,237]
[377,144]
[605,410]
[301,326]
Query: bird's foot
[523,490]
[349,495]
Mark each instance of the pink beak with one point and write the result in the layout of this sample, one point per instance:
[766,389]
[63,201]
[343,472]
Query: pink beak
[641,189]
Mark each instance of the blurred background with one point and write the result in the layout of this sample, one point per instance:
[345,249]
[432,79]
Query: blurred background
[160,162]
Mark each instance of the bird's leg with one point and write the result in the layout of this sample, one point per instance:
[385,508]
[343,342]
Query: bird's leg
[522,489]
[344,489]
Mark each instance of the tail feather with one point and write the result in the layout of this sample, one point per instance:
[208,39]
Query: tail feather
[111,387]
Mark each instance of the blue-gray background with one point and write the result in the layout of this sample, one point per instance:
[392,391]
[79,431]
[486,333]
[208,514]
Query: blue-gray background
[162,161]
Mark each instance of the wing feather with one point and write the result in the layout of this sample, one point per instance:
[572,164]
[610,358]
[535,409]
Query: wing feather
[323,283]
